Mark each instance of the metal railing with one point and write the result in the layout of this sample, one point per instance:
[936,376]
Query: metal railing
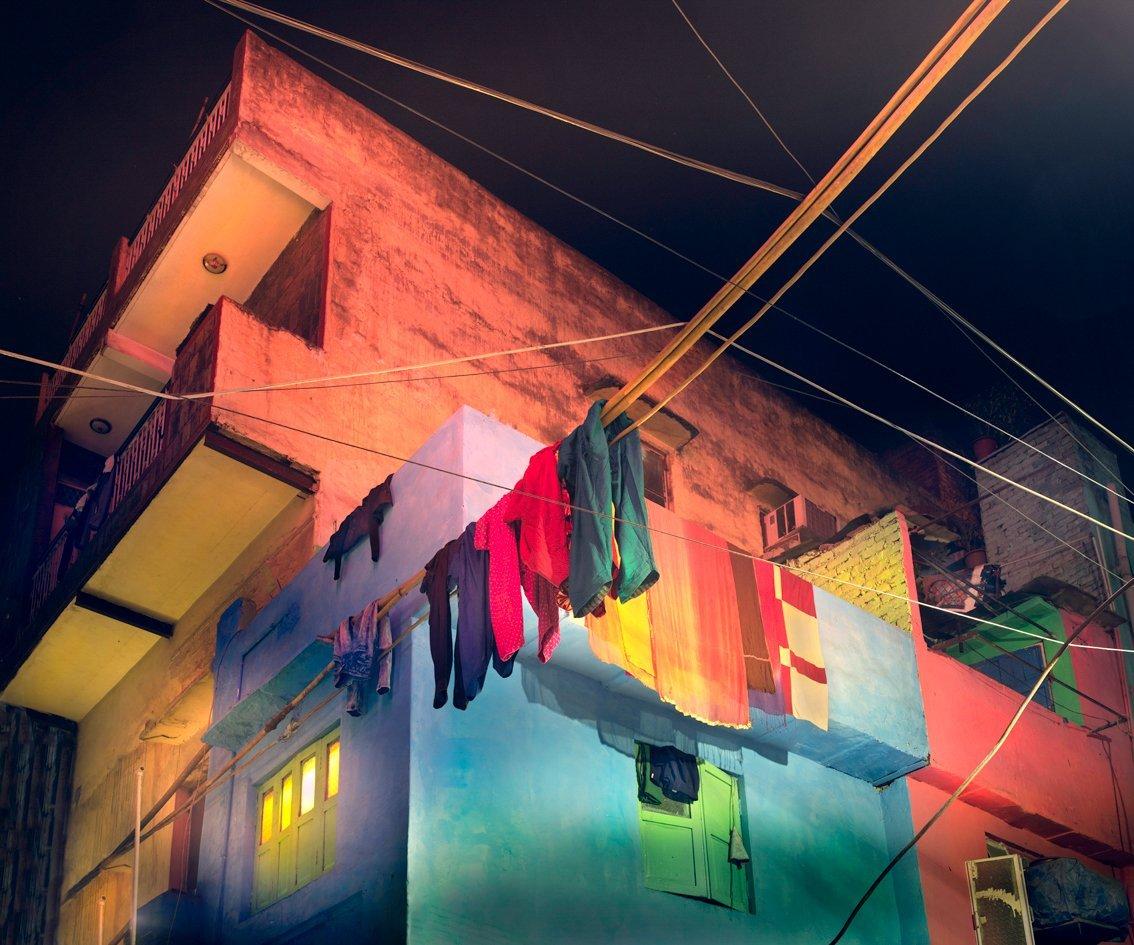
[98,319]
[160,210]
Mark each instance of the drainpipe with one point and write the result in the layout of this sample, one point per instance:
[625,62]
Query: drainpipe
[1121,554]
[1122,561]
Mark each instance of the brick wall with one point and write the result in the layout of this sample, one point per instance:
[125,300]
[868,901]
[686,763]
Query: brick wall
[1023,548]
[873,557]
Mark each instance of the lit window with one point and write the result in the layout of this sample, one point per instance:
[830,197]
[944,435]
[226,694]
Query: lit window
[307,785]
[287,801]
[333,768]
[297,834]
[267,815]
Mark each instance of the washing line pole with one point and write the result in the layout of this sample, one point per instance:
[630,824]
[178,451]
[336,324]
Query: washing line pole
[933,68]
[137,854]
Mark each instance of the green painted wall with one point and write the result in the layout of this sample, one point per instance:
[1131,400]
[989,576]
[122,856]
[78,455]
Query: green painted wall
[976,650]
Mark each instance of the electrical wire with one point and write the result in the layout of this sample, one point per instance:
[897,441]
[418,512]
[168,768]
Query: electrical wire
[958,321]
[544,181]
[818,575]
[984,762]
[866,205]
[937,446]
[748,98]
[793,195]
[965,410]
[518,102]
[429,365]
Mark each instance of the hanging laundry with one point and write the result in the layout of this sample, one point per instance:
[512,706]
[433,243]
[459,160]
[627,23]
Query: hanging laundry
[354,654]
[637,571]
[695,625]
[495,536]
[436,587]
[544,598]
[675,772]
[757,662]
[364,520]
[584,466]
[475,647]
[787,606]
[621,636]
[540,506]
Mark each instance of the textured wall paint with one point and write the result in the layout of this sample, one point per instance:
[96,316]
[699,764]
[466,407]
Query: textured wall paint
[958,837]
[513,821]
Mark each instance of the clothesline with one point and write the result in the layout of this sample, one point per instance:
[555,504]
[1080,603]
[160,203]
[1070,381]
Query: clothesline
[566,505]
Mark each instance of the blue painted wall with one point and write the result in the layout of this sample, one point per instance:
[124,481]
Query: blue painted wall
[517,820]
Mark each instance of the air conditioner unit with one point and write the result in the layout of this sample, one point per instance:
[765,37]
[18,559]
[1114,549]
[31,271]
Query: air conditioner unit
[797,524]
[1001,913]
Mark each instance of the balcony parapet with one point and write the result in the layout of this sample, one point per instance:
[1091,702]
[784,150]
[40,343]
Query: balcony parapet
[130,258]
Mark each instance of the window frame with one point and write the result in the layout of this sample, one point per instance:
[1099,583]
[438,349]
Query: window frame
[292,856]
[709,875]
[666,456]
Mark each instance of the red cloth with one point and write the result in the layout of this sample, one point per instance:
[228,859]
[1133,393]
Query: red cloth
[697,643]
[787,607]
[542,507]
[543,596]
[494,535]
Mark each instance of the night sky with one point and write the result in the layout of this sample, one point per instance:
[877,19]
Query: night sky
[1021,217]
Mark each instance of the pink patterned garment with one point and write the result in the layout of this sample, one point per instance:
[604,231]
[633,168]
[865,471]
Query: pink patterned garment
[494,535]
[543,596]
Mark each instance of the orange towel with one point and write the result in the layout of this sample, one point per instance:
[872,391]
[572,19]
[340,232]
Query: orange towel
[695,624]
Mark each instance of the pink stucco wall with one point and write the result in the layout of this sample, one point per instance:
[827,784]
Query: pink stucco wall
[426,264]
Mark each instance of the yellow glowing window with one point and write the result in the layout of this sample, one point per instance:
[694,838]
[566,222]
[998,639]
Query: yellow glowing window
[267,815]
[287,801]
[297,833]
[307,785]
[333,768]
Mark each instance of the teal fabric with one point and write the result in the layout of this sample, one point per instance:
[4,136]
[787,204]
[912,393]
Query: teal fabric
[627,482]
[584,467]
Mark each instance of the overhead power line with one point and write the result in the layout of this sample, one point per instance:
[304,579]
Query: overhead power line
[866,205]
[984,762]
[935,300]
[515,100]
[583,125]
[925,77]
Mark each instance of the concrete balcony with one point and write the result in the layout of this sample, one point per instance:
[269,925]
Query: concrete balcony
[224,199]
[182,502]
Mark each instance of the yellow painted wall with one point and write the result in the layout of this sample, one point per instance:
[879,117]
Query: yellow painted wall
[872,557]
[110,747]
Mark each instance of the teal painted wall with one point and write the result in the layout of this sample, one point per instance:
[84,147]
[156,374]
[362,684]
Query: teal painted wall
[524,828]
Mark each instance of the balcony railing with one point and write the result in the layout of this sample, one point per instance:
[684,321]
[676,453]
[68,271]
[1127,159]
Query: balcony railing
[105,310]
[141,465]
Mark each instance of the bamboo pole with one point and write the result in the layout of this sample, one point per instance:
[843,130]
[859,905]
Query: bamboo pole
[388,602]
[137,855]
[949,49]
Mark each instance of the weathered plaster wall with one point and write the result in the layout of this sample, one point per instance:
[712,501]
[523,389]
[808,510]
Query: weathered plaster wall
[110,745]
[958,837]
[426,263]
[873,558]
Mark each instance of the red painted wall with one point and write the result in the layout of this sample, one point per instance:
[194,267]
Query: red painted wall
[427,264]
